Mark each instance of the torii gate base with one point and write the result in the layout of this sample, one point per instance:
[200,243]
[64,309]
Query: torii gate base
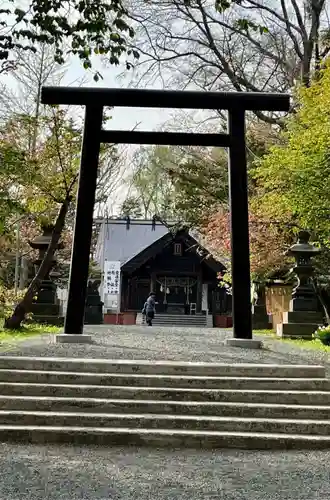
[94,99]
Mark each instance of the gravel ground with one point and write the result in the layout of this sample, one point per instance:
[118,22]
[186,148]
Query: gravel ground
[72,473]
[182,344]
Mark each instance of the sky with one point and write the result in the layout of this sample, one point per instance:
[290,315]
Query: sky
[132,118]
[122,118]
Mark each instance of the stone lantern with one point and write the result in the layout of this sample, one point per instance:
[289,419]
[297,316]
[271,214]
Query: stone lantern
[260,318]
[45,308]
[303,295]
[303,318]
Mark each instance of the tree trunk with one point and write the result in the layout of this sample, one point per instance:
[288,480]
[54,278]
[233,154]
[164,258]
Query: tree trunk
[311,45]
[25,305]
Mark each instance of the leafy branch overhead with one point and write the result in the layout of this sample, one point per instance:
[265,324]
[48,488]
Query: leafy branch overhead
[79,27]
[243,24]
[294,177]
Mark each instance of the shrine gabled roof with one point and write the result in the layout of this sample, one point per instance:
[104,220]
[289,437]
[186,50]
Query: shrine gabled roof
[192,244]
[134,242]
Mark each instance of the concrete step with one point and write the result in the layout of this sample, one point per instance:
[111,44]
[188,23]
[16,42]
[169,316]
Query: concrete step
[180,316]
[163,403]
[161,367]
[149,421]
[165,393]
[177,324]
[161,437]
[209,321]
[180,320]
[128,406]
[187,324]
[179,381]
[184,319]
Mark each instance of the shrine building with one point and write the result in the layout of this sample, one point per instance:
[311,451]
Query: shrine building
[151,256]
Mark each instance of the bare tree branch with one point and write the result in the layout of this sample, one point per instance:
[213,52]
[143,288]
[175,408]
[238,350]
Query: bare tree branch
[188,44]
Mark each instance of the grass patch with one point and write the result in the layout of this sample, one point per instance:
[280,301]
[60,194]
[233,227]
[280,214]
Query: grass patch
[25,332]
[301,343]
[271,333]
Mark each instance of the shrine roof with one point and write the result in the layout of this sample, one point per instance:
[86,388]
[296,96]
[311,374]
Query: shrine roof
[120,241]
[132,241]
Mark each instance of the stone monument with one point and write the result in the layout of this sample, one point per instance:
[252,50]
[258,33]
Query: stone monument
[260,318]
[304,316]
[94,305]
[45,308]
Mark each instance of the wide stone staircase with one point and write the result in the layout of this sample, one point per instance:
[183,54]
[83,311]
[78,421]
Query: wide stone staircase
[163,403]
[180,320]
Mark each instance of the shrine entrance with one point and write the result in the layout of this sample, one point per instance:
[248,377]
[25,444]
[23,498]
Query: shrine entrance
[94,100]
[176,295]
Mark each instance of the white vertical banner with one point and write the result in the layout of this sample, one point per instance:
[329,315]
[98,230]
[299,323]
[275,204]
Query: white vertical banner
[112,284]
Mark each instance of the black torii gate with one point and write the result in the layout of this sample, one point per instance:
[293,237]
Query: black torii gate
[94,99]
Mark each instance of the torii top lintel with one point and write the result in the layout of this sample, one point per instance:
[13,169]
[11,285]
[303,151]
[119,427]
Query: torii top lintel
[150,98]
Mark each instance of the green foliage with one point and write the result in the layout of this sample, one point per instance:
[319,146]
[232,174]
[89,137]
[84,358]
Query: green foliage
[225,281]
[58,159]
[247,25]
[222,5]
[293,180]
[34,180]
[50,169]
[151,183]
[201,183]
[323,334]
[95,271]
[188,183]
[131,207]
[80,27]
[180,183]
[243,24]
[12,164]
[8,299]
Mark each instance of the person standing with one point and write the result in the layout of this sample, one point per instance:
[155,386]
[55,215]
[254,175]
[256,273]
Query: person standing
[149,308]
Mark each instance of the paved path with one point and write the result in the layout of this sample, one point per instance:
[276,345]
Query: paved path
[32,472]
[138,342]
[69,473]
